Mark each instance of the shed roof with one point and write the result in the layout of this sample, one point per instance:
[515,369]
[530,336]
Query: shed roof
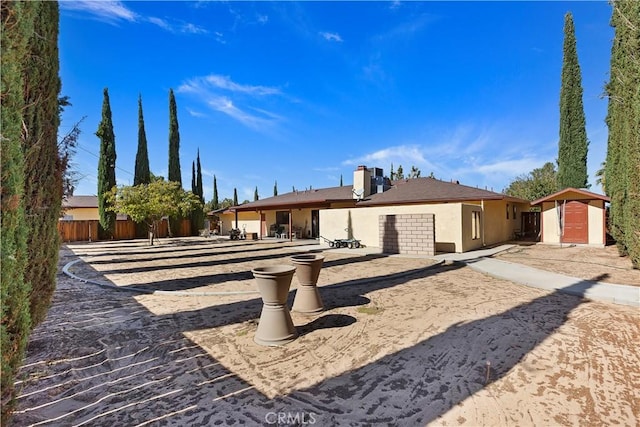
[571,193]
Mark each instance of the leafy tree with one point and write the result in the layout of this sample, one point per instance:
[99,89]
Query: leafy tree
[67,148]
[151,202]
[399,173]
[17,27]
[538,183]
[255,194]
[622,169]
[392,174]
[106,168]
[275,189]
[601,176]
[142,173]
[216,204]
[227,203]
[573,143]
[415,172]
[235,197]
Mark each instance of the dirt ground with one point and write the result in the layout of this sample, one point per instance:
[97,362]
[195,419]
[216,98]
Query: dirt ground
[401,342]
[576,261]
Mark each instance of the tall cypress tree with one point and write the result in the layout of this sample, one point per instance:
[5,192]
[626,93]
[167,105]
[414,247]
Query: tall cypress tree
[142,172]
[17,27]
[573,143]
[623,120]
[43,170]
[200,191]
[235,197]
[174,141]
[197,215]
[216,202]
[174,173]
[193,178]
[275,188]
[106,167]
[255,194]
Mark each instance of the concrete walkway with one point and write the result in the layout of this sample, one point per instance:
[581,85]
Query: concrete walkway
[480,260]
[518,273]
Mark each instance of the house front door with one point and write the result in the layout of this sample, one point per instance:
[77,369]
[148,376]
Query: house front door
[315,224]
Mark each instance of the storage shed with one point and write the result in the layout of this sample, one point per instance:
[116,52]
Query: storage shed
[575,216]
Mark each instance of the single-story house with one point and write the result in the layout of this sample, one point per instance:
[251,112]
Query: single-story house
[573,216]
[80,208]
[419,215]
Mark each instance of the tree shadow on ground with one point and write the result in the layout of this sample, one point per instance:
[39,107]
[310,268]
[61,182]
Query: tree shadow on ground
[194,282]
[417,385]
[101,358]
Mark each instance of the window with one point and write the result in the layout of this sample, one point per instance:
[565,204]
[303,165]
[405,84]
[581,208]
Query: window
[475,225]
[507,210]
[282,217]
[514,211]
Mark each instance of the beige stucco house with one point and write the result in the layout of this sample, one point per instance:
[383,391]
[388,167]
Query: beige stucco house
[574,216]
[80,208]
[420,215]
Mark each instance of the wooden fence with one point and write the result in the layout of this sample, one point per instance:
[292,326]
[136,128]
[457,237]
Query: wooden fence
[87,231]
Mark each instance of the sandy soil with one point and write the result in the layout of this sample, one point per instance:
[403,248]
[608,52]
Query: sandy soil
[576,261]
[408,345]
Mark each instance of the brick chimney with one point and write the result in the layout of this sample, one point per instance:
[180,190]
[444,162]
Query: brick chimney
[361,183]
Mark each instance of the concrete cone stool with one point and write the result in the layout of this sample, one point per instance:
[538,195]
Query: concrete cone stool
[275,326]
[307,270]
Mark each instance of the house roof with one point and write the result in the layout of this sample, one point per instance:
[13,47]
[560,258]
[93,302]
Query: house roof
[409,191]
[429,190]
[322,197]
[80,202]
[572,194]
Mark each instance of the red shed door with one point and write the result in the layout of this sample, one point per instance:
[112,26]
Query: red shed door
[576,223]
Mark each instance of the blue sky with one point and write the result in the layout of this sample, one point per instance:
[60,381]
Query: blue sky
[304,92]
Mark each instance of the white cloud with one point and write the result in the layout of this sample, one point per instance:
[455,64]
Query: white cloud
[511,167]
[193,29]
[219,37]
[115,11]
[160,23]
[226,106]
[475,155]
[225,82]
[195,113]
[110,11]
[388,155]
[263,19]
[332,37]
[238,101]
